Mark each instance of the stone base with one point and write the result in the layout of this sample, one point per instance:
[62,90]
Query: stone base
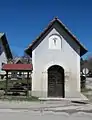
[78,97]
[68,96]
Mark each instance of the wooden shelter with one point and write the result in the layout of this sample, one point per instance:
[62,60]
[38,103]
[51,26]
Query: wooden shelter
[18,68]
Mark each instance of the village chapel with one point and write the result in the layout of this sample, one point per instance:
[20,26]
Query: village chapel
[56,62]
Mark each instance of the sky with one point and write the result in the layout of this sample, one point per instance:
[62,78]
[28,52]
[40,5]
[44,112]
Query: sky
[23,20]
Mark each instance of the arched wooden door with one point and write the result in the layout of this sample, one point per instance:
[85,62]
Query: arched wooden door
[56,81]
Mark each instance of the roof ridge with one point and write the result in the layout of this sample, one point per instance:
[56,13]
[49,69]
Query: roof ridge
[53,20]
[70,32]
[56,19]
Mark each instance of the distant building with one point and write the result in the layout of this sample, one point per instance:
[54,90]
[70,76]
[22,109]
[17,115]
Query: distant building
[19,60]
[5,52]
[22,60]
[56,62]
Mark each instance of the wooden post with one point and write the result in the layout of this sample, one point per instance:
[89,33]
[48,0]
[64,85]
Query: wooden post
[27,83]
[6,89]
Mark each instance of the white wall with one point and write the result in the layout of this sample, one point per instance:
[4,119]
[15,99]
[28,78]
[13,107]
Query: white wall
[43,58]
[3,59]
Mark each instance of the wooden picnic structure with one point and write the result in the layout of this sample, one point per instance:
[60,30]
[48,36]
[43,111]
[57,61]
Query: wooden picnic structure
[18,68]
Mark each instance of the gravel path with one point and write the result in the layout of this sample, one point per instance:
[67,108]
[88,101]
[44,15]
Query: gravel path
[47,106]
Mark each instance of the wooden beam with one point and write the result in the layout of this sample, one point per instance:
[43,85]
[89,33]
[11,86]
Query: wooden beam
[27,83]
[6,88]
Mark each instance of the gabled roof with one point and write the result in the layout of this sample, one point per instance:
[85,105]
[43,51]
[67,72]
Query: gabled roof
[22,60]
[6,46]
[18,60]
[83,50]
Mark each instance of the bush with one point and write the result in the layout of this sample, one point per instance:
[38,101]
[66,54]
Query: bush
[83,81]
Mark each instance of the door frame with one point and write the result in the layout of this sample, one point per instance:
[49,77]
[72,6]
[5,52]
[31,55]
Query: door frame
[63,82]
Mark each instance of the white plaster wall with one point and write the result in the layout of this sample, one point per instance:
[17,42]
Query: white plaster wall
[3,59]
[43,58]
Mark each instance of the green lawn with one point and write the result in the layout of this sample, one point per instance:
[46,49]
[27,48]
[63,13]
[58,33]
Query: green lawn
[88,93]
[16,98]
[19,98]
[11,82]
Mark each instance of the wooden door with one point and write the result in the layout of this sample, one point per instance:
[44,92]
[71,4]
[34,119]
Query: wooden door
[55,82]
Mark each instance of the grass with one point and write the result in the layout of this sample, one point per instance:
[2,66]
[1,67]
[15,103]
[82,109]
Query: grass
[19,98]
[86,89]
[2,84]
[88,93]
[15,98]
[11,82]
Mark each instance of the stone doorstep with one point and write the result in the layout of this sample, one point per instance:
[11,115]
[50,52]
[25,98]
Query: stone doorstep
[64,99]
[53,98]
[79,97]
[67,100]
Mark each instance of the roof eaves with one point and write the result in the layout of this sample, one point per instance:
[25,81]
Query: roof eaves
[49,25]
[69,32]
[77,40]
